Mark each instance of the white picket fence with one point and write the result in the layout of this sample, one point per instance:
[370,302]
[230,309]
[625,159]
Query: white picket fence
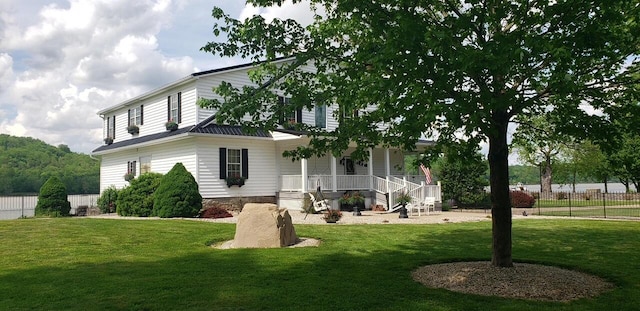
[14,207]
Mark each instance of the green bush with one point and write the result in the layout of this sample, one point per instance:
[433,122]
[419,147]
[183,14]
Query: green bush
[178,194]
[52,199]
[107,200]
[137,198]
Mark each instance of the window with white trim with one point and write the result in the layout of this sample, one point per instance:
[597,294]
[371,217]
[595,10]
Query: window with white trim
[145,165]
[174,107]
[234,163]
[111,127]
[132,167]
[289,115]
[321,116]
[135,115]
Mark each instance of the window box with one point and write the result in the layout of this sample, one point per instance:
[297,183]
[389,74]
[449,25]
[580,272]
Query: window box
[133,129]
[171,126]
[108,141]
[129,177]
[235,181]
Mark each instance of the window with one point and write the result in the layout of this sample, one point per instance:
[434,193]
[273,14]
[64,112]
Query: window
[289,115]
[321,116]
[145,165]
[174,107]
[135,116]
[111,127]
[234,163]
[132,167]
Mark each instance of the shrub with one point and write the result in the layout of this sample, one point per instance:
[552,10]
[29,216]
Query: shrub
[521,199]
[52,199]
[137,198]
[107,200]
[215,212]
[561,196]
[178,194]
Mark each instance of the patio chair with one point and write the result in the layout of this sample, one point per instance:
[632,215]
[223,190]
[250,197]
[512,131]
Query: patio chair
[428,204]
[410,207]
[319,205]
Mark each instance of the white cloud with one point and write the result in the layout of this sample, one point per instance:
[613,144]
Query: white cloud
[70,59]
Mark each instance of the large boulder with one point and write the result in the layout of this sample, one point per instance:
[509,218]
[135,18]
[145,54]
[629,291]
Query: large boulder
[264,225]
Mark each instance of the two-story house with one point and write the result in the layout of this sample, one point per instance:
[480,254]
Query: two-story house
[220,156]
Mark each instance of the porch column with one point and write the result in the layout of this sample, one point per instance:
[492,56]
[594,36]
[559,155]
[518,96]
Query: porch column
[334,175]
[387,162]
[370,168]
[305,177]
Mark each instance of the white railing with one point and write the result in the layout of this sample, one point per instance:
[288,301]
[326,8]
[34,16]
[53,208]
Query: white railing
[13,207]
[354,182]
[290,182]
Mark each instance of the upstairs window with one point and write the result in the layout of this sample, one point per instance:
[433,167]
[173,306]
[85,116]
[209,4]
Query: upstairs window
[321,116]
[135,116]
[111,127]
[174,107]
[145,165]
[289,115]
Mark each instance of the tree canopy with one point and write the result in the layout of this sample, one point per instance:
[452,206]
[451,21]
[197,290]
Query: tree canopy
[26,163]
[439,68]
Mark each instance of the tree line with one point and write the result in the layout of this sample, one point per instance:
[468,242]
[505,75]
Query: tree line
[27,163]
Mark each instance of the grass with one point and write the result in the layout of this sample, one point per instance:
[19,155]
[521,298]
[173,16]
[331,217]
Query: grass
[97,264]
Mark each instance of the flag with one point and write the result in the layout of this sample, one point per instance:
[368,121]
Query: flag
[427,173]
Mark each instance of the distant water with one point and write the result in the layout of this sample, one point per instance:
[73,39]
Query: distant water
[612,187]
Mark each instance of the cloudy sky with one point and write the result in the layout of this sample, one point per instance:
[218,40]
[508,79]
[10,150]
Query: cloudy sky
[61,61]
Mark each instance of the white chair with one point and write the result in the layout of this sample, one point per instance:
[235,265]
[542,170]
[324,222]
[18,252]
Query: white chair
[428,203]
[410,207]
[319,205]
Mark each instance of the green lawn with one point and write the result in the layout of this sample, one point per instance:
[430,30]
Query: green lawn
[94,264]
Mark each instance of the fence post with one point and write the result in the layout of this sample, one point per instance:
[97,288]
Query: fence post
[569,204]
[604,205]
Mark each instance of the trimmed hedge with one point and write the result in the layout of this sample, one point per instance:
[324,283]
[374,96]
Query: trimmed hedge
[178,194]
[52,199]
[137,199]
[520,199]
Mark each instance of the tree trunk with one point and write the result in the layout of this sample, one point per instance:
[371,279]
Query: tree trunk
[499,181]
[546,177]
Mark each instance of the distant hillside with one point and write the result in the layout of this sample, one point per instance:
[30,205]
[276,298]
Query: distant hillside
[26,163]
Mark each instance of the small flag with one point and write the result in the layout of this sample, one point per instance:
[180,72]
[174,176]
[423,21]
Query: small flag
[427,173]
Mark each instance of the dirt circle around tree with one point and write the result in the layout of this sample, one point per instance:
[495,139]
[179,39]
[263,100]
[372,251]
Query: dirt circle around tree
[523,281]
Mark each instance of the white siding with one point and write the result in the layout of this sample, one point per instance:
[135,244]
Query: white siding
[206,84]
[163,158]
[262,167]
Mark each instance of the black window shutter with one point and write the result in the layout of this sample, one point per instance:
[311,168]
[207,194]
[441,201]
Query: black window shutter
[128,167]
[223,163]
[179,107]
[134,167]
[281,108]
[129,117]
[141,114]
[169,108]
[245,163]
[113,128]
[299,115]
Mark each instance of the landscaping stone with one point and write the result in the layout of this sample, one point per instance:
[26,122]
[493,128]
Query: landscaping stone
[264,225]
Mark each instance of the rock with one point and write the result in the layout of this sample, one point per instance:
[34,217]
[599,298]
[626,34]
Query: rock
[264,225]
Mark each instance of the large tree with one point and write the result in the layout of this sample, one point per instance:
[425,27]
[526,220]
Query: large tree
[431,67]
[538,143]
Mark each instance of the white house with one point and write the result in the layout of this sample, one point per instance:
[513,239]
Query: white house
[215,153]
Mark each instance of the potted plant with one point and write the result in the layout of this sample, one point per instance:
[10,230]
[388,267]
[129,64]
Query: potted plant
[108,141]
[133,129]
[235,181]
[403,199]
[345,201]
[129,177]
[357,200]
[332,215]
[171,125]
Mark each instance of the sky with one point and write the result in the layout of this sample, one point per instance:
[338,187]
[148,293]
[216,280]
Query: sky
[61,61]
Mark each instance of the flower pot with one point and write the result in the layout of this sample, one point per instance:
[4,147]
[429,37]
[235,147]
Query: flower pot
[331,221]
[108,141]
[133,129]
[171,126]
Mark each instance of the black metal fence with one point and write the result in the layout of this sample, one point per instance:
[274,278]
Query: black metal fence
[587,204]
